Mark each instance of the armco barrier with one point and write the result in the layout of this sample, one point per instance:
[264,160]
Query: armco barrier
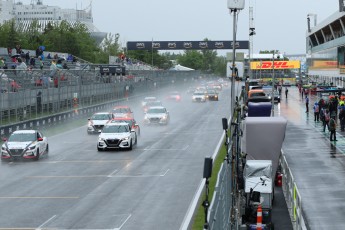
[292,196]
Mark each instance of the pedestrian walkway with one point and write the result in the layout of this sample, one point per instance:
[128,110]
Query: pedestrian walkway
[317,164]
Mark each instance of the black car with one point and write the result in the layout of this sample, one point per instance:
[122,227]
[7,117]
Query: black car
[212,95]
[276,96]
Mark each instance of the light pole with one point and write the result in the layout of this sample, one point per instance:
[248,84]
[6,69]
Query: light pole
[251,33]
[234,6]
[273,82]
[272,95]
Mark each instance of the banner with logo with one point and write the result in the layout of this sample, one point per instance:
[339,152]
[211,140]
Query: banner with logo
[185,45]
[277,65]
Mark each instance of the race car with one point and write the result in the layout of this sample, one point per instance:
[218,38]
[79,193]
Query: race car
[212,95]
[117,135]
[174,96]
[157,115]
[151,104]
[122,111]
[199,96]
[146,99]
[97,121]
[24,144]
[130,121]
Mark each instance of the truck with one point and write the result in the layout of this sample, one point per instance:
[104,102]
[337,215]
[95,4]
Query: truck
[239,70]
[259,190]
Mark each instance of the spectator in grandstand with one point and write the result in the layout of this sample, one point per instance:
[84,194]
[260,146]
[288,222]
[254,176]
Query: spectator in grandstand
[59,64]
[53,69]
[49,56]
[21,65]
[64,66]
[18,49]
[9,51]
[40,62]
[70,58]
[27,57]
[2,63]
[33,62]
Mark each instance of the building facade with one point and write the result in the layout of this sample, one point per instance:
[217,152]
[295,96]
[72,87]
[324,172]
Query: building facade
[44,14]
[325,46]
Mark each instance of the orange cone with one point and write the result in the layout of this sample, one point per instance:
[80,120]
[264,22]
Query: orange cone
[259,218]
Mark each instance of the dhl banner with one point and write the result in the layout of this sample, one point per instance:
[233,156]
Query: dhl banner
[325,64]
[277,65]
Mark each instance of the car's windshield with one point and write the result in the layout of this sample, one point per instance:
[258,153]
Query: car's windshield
[211,92]
[121,110]
[115,129]
[22,137]
[154,103]
[199,93]
[130,122]
[156,110]
[100,117]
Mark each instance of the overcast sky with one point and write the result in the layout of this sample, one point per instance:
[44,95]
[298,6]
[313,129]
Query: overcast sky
[279,24]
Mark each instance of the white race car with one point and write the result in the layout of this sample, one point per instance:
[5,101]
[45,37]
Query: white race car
[199,96]
[98,121]
[117,135]
[24,144]
[157,115]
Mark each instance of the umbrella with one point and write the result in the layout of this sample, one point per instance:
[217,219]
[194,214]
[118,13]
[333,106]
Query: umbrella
[15,55]
[42,48]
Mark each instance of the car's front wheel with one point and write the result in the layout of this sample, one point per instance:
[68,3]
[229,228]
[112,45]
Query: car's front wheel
[130,145]
[37,155]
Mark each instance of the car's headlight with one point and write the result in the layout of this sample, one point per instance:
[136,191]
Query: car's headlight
[125,139]
[101,139]
[32,147]
[90,123]
[3,148]
[145,117]
[164,117]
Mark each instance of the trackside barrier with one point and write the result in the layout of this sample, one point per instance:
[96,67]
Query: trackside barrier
[219,210]
[292,196]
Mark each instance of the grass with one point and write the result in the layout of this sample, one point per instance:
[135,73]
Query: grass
[199,219]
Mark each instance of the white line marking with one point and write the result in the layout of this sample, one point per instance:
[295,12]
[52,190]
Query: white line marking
[111,174]
[186,147]
[51,218]
[129,216]
[165,172]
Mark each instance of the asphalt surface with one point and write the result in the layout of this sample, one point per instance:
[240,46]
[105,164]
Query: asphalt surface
[150,187]
[317,164]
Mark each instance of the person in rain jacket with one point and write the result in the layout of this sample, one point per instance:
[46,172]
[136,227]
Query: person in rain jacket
[316,109]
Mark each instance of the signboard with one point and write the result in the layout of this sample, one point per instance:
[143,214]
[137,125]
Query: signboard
[185,45]
[277,65]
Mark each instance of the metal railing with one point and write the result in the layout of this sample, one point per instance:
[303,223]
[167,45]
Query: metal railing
[28,94]
[292,196]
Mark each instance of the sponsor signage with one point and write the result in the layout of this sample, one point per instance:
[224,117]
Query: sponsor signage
[277,65]
[185,45]
[325,64]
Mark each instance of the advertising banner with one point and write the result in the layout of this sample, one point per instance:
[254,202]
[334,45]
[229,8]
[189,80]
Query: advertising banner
[277,65]
[185,45]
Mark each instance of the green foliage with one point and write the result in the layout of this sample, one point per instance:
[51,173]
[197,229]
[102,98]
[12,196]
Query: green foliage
[76,40]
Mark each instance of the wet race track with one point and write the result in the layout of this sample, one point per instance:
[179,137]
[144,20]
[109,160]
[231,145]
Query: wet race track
[150,187]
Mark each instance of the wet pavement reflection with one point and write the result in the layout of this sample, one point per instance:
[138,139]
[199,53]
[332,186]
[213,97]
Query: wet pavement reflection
[317,164]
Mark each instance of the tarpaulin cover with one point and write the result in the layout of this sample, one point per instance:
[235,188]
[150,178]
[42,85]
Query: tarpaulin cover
[258,176]
[263,138]
[259,109]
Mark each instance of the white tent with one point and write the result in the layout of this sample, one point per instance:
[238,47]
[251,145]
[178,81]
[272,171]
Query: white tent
[179,67]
